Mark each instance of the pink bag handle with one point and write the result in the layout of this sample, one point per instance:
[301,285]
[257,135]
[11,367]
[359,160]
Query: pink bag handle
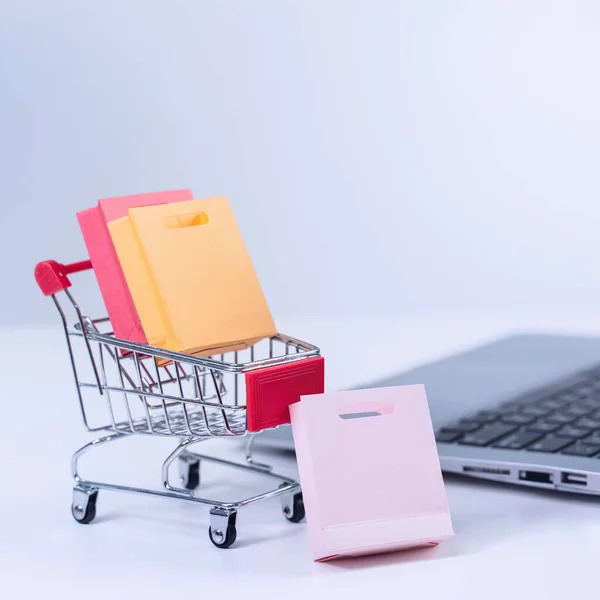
[52,278]
[360,410]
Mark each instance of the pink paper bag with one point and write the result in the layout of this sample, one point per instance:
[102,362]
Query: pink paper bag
[370,472]
[111,280]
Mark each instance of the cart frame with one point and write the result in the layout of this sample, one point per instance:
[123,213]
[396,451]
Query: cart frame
[152,391]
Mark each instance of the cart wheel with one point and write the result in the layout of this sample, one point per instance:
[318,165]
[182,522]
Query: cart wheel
[190,474]
[222,532]
[84,506]
[293,507]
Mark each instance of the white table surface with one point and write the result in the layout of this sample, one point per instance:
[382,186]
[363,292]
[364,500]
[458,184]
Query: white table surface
[509,542]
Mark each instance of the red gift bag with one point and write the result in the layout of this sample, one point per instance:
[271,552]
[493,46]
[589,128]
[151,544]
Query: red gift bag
[111,280]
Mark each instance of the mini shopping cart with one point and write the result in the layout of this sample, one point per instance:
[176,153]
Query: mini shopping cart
[125,388]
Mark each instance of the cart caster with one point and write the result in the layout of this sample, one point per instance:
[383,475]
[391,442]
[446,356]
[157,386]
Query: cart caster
[189,470]
[222,531]
[84,505]
[293,506]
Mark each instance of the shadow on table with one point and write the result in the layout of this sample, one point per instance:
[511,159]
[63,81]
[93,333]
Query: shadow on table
[484,514]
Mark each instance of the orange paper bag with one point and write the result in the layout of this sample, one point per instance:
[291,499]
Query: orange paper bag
[191,278]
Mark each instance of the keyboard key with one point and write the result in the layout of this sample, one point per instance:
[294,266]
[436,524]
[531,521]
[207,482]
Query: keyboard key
[522,401]
[487,434]
[561,417]
[518,440]
[591,403]
[518,419]
[464,426]
[512,405]
[592,439]
[536,411]
[588,423]
[485,416]
[550,443]
[544,426]
[446,436]
[567,397]
[551,403]
[572,431]
[581,449]
[585,390]
[577,411]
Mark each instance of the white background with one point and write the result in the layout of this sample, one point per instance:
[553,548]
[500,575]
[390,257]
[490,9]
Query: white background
[381,156]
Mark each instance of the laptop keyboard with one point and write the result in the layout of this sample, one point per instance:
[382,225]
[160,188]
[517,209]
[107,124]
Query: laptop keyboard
[563,420]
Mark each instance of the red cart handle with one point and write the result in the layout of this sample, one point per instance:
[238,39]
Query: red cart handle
[52,276]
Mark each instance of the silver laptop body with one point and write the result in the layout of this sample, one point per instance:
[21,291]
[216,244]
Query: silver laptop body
[540,389]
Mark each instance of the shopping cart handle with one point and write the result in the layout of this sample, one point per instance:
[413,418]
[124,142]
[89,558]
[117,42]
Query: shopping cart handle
[52,278]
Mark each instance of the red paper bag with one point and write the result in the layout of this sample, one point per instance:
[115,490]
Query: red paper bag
[111,280]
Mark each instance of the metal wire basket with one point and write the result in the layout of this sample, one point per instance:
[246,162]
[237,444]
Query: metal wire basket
[125,388]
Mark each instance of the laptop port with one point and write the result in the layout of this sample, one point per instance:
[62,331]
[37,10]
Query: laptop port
[486,470]
[535,476]
[573,478]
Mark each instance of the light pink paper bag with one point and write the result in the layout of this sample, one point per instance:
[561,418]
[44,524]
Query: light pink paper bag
[370,472]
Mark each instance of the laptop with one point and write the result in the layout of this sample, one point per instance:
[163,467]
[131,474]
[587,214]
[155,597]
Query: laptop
[523,410]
